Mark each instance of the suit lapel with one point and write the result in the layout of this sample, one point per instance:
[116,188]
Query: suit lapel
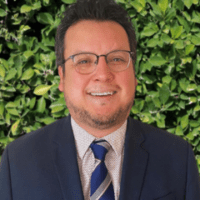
[134,164]
[65,161]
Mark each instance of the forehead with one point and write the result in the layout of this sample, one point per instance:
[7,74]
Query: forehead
[95,36]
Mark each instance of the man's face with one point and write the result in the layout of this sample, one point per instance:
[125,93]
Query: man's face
[94,113]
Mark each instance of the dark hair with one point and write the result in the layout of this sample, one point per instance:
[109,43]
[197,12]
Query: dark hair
[98,10]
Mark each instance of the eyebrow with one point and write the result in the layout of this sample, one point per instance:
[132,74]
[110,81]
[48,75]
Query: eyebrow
[77,52]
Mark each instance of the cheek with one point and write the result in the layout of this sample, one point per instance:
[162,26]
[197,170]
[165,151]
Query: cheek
[128,82]
[75,86]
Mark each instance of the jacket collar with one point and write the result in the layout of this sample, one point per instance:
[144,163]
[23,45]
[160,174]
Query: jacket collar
[65,161]
[135,162]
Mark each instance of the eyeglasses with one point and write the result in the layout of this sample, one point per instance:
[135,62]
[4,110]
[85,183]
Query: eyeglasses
[85,63]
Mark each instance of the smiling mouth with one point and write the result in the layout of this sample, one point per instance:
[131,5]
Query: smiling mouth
[104,94]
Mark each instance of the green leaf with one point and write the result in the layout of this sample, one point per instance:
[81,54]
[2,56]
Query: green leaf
[11,74]
[13,111]
[150,29]
[190,136]
[2,71]
[156,8]
[25,8]
[176,32]
[139,104]
[137,5]
[157,102]
[192,100]
[164,93]
[173,84]
[195,40]
[179,44]
[186,60]
[194,123]
[48,120]
[45,58]
[134,110]
[184,121]
[24,28]
[41,105]
[57,109]
[25,113]
[60,102]
[69,1]
[188,49]
[8,89]
[197,108]
[12,45]
[42,89]
[183,22]
[170,14]
[157,61]
[195,1]
[28,54]
[36,5]
[8,118]
[2,13]
[11,105]
[149,79]
[39,66]
[191,87]
[195,131]
[165,38]
[187,15]
[15,127]
[167,79]
[27,74]
[178,4]
[1,107]
[179,131]
[143,2]
[160,119]
[188,3]
[45,2]
[163,4]
[24,89]
[32,103]
[45,18]
[153,42]
[196,17]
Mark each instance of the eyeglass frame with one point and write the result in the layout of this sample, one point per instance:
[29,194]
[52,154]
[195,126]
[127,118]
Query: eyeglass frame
[98,56]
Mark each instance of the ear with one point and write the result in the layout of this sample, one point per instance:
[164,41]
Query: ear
[61,84]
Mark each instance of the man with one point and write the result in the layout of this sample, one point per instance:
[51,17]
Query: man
[96,52]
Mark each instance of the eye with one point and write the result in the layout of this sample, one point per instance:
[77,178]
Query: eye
[83,62]
[117,59]
[84,59]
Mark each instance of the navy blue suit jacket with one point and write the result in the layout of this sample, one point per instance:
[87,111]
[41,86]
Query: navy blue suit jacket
[42,165]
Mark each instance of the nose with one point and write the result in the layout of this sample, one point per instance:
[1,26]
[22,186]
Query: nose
[102,71]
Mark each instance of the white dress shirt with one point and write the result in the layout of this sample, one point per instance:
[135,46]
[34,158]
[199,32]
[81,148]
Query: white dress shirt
[86,159]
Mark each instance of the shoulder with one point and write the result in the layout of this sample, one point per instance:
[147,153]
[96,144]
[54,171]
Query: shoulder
[38,139]
[158,139]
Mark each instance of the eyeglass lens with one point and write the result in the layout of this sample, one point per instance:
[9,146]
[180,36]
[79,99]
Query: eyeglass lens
[116,61]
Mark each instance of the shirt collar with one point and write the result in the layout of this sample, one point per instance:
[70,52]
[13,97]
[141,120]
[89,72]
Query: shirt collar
[83,139]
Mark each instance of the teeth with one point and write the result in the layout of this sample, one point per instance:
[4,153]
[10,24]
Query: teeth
[101,94]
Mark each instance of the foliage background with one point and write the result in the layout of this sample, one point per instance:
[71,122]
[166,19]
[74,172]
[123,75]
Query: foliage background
[167,68]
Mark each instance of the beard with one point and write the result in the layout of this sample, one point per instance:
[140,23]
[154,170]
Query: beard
[97,121]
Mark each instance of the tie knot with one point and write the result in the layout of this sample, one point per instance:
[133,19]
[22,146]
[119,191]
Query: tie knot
[100,148]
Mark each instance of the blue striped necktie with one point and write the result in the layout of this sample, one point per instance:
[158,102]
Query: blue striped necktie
[101,184]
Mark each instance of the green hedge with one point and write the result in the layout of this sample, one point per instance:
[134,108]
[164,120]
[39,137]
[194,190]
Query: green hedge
[167,68]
